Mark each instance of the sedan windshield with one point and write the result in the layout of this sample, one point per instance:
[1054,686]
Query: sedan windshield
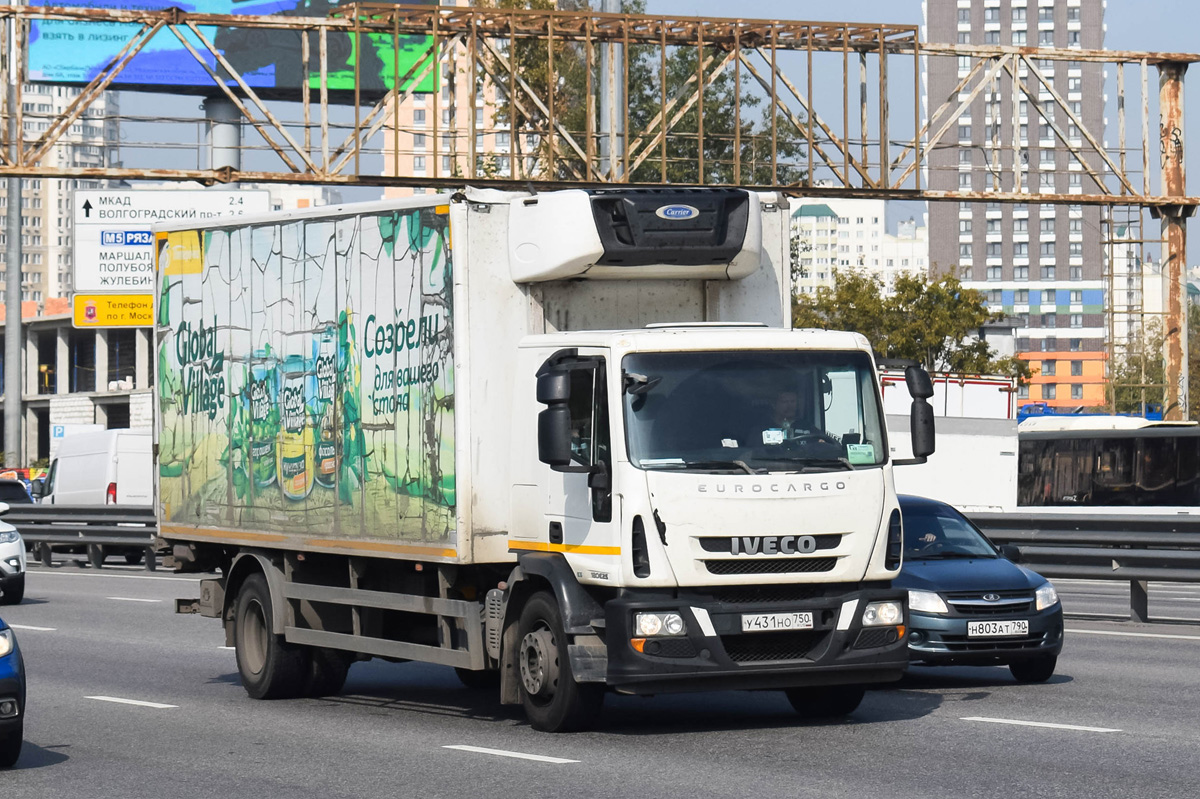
[941,533]
[753,411]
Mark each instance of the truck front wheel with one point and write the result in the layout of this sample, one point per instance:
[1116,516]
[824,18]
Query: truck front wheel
[270,668]
[826,701]
[553,701]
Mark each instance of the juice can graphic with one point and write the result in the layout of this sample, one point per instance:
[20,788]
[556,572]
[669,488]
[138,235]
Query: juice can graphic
[325,409]
[264,419]
[295,448]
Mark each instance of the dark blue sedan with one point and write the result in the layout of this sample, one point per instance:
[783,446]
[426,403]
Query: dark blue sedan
[968,604]
[12,697]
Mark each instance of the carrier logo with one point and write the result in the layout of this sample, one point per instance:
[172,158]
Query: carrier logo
[772,545]
[677,212]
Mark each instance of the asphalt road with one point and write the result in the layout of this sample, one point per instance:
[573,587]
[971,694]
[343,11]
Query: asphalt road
[1118,720]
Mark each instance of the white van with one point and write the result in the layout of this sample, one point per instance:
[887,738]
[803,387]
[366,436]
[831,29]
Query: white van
[104,467]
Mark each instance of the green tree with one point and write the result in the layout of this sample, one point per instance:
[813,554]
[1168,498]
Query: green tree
[1138,376]
[933,322]
[725,142]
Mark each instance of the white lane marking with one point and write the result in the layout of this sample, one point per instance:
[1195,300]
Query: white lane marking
[31,627]
[226,647]
[1134,635]
[131,599]
[138,702]
[505,753]
[55,573]
[1039,724]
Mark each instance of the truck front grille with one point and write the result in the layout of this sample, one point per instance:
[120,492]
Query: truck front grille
[770,566]
[750,594]
[767,647]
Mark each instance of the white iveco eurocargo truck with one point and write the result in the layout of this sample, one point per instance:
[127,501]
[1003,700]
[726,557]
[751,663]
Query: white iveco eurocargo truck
[566,443]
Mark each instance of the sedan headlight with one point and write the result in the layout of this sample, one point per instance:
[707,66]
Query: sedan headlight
[926,602]
[6,642]
[1047,597]
[883,614]
[9,537]
[652,624]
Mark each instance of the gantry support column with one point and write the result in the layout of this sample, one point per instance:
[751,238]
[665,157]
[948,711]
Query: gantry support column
[1174,235]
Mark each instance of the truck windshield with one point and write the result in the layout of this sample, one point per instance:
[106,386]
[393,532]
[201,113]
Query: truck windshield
[752,411]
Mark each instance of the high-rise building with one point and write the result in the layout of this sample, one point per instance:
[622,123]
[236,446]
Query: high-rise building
[1039,262]
[836,234]
[47,214]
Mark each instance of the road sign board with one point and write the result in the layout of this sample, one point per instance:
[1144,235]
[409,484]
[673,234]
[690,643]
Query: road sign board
[113,310]
[114,249]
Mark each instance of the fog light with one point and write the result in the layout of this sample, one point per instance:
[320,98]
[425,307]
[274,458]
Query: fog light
[882,614]
[8,708]
[14,561]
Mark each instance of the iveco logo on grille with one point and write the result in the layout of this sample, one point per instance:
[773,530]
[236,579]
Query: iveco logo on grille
[772,544]
[991,597]
[677,212]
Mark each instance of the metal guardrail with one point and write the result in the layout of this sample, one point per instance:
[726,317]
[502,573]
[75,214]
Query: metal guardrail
[95,530]
[1095,546]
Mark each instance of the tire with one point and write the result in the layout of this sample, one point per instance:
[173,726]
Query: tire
[133,558]
[270,668]
[326,672]
[14,591]
[10,746]
[487,680]
[1037,669]
[45,555]
[826,701]
[96,555]
[553,701]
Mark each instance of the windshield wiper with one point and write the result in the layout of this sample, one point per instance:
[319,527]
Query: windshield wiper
[740,465]
[818,463]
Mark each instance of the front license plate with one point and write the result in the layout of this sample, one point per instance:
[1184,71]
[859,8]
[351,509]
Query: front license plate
[775,622]
[993,629]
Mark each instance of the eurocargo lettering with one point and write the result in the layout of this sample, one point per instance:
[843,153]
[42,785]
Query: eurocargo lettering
[572,447]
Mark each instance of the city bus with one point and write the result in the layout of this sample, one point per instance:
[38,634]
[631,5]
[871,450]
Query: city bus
[1108,461]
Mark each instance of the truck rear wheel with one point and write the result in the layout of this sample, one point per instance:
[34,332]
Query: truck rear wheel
[553,701]
[270,668]
[96,555]
[826,701]
[327,671]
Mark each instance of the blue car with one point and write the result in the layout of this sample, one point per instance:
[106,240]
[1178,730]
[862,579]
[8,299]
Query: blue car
[12,697]
[969,605]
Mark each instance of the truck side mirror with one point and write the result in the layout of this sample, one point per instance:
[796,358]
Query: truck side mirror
[37,488]
[553,387]
[921,422]
[554,435]
[920,386]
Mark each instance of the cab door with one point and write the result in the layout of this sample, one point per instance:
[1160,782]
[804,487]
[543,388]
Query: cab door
[579,513]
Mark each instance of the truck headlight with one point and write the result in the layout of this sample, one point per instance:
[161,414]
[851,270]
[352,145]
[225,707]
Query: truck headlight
[883,614]
[9,537]
[926,602]
[1047,597]
[652,624]
[6,642]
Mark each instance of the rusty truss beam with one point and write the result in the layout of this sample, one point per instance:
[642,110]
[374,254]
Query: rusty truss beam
[708,101]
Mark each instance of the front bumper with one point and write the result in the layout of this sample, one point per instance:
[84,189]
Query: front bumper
[943,641]
[12,560]
[714,653]
[12,686]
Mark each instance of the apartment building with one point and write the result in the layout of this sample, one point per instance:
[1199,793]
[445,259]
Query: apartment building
[1041,263]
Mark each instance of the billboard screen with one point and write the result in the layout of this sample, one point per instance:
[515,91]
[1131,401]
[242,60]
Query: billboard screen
[74,51]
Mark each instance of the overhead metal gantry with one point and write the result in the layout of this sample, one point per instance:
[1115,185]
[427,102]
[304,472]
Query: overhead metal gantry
[820,109]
